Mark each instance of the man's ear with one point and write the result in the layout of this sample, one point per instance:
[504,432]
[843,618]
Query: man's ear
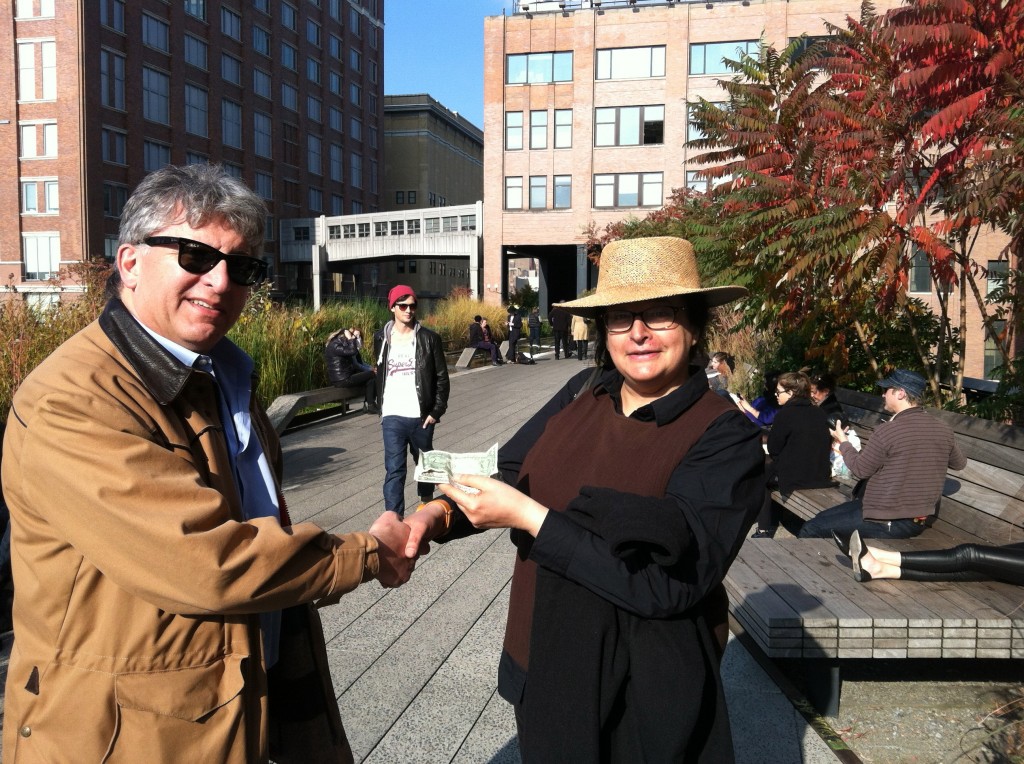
[127,264]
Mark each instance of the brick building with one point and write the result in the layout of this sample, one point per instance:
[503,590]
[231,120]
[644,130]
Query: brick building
[287,95]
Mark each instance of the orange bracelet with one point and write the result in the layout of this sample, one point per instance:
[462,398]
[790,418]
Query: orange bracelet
[448,514]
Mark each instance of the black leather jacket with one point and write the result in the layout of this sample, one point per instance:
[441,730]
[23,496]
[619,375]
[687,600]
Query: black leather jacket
[432,385]
[341,355]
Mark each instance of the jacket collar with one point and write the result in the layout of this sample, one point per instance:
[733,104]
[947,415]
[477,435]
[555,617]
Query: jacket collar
[162,374]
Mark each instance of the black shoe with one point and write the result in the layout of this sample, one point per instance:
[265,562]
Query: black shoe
[371,408]
[857,552]
[495,363]
[763,533]
[844,546]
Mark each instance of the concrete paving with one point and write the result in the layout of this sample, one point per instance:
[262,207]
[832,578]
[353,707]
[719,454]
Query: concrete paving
[415,668]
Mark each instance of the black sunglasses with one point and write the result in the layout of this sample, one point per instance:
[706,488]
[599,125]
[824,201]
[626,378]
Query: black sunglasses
[197,258]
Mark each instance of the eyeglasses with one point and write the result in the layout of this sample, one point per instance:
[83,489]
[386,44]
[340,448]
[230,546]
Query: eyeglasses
[405,306]
[779,392]
[198,258]
[658,318]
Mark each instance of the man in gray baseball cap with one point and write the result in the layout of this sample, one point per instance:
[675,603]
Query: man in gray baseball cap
[906,460]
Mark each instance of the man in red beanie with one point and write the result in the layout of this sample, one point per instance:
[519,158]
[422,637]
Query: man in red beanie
[412,393]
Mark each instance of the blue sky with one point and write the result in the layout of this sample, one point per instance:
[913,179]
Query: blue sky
[437,47]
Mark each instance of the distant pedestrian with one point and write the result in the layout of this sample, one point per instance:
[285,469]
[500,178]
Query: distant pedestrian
[515,331]
[560,319]
[580,335]
[534,324]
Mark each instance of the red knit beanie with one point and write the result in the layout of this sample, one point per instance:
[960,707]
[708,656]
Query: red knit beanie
[398,292]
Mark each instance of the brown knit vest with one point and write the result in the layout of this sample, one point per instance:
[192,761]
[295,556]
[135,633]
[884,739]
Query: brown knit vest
[588,443]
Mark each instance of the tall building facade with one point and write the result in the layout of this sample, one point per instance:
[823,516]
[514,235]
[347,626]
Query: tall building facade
[287,95]
[586,120]
[435,156]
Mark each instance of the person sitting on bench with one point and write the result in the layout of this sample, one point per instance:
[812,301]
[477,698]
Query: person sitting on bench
[480,338]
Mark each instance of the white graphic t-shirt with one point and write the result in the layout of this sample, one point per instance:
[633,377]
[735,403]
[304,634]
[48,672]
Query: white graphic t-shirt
[400,386]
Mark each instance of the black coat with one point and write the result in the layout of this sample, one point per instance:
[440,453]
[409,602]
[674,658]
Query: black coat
[432,383]
[342,358]
[799,445]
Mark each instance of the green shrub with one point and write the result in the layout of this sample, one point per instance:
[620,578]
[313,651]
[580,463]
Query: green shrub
[452,317]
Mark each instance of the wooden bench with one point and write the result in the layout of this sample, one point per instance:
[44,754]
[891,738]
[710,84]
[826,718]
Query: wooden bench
[796,601]
[284,408]
[468,354]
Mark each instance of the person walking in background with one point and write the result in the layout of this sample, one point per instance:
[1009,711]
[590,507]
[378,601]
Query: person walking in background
[345,367]
[799,445]
[904,463]
[162,607]
[581,336]
[629,495]
[515,332]
[412,393]
[480,338]
[560,330]
[533,322]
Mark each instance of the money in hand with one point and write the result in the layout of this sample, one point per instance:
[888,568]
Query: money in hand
[442,466]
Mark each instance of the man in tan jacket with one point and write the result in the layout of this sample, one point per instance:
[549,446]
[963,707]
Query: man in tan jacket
[162,609]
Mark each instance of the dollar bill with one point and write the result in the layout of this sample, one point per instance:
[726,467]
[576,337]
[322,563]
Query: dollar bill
[442,466]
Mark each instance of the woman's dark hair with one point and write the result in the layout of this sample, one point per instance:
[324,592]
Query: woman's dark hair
[725,358]
[771,382]
[797,383]
[823,380]
[697,311]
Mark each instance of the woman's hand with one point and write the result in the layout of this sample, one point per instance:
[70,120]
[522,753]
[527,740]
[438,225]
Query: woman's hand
[497,505]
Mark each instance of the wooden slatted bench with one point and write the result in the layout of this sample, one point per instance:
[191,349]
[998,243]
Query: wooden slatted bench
[796,601]
[469,353]
[284,408]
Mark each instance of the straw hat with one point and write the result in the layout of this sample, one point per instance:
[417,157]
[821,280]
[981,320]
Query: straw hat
[633,270]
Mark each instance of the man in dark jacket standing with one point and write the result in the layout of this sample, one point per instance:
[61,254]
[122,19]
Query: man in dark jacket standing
[560,330]
[412,393]
[515,331]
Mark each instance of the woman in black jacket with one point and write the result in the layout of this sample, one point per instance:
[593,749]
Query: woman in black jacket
[798,446]
[345,368]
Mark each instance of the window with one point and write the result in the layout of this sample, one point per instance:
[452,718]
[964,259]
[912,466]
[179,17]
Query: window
[373,176]
[920,274]
[412,197]
[39,197]
[289,97]
[231,69]
[261,83]
[355,170]
[196,110]
[372,70]
[112,79]
[334,82]
[41,253]
[337,169]
[333,232]
[449,224]
[355,94]
[112,14]
[313,70]
[231,123]
[114,144]
[262,134]
[195,52]
[398,228]
[355,60]
[289,16]
[231,24]
[29,89]
[695,182]
[996,275]
[114,198]
[348,230]
[155,33]
[196,8]
[29,136]
[354,21]
[563,128]
[534,68]
[313,32]
[233,170]
[314,109]
[110,245]
[412,266]
[337,119]
[314,155]
[260,40]
[300,233]
[263,6]
[412,227]
[631,189]
[380,229]
[467,223]
[289,57]
[290,143]
[316,200]
[356,129]
[264,186]
[25,9]
[709,58]
[994,339]
[433,225]
[694,133]
[192,157]
[562,192]
[631,63]
[156,87]
[335,9]
[399,197]
[538,192]
[538,129]
[514,193]
[337,204]
[629,126]
[155,155]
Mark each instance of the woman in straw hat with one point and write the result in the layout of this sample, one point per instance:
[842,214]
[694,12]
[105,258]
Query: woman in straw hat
[629,494]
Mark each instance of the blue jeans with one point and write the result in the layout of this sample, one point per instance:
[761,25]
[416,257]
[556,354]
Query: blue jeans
[845,518]
[401,433]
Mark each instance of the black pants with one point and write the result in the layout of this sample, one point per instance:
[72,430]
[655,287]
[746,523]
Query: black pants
[562,341]
[365,378]
[967,562]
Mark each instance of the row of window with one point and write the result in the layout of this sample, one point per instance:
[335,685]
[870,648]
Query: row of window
[289,13]
[628,189]
[447,224]
[643,62]
[613,126]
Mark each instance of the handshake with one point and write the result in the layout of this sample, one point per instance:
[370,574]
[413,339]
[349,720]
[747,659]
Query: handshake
[400,543]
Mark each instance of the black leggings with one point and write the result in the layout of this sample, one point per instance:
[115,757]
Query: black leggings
[967,562]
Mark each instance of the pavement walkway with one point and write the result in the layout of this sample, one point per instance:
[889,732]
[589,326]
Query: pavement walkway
[415,668]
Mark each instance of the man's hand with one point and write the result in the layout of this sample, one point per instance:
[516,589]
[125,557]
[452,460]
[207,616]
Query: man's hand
[497,505]
[839,432]
[429,421]
[425,525]
[394,567]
